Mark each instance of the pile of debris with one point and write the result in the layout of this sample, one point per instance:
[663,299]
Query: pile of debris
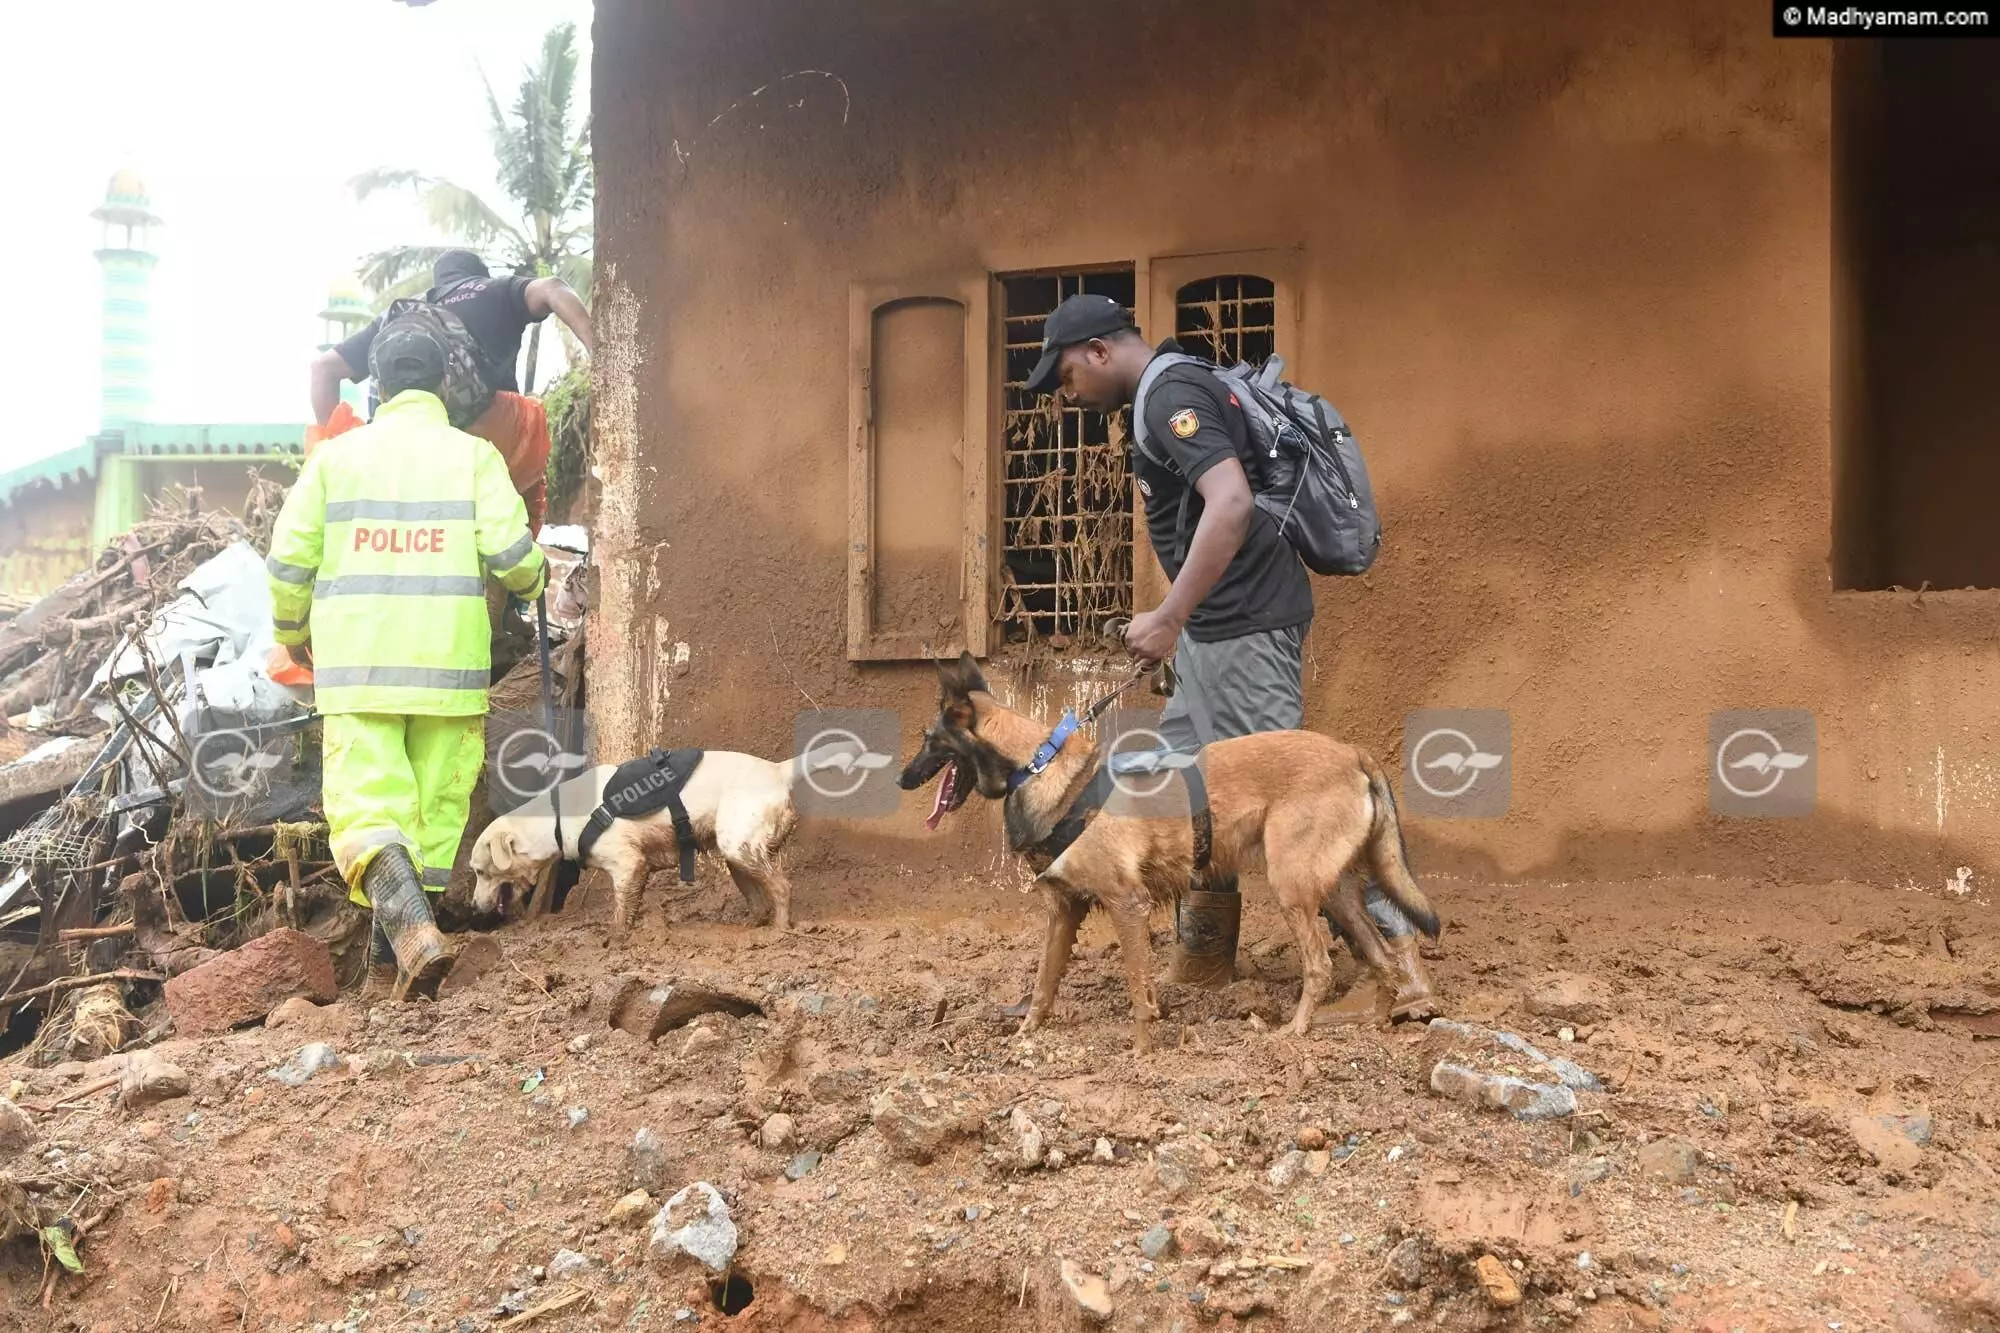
[162,806]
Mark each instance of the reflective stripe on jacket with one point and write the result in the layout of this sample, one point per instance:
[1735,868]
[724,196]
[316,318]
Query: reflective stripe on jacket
[380,557]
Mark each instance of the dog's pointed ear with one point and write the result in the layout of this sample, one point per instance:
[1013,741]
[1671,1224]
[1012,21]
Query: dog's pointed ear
[961,679]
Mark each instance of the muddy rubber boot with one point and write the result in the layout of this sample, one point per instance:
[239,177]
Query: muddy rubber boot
[381,979]
[1205,950]
[1365,1002]
[403,915]
[1415,1000]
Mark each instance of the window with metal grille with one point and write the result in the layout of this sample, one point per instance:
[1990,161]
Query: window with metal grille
[1067,523]
[1228,319]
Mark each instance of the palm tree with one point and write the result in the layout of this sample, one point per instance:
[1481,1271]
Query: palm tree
[546,172]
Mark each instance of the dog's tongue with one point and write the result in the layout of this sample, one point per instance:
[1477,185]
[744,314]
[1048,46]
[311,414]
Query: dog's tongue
[947,785]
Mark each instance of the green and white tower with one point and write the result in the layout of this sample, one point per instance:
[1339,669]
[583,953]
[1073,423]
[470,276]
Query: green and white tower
[126,396]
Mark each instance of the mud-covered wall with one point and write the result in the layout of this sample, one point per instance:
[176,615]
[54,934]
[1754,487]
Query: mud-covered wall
[1567,268]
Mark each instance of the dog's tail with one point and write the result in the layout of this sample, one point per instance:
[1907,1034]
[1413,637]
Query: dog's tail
[1388,854]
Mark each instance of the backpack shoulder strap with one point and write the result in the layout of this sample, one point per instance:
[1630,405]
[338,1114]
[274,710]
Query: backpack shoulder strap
[1158,366]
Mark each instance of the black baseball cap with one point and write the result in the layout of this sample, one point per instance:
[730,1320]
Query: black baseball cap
[405,359]
[1076,320]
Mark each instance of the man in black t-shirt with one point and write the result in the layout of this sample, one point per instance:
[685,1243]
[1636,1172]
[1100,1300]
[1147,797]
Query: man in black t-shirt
[495,311]
[1236,617]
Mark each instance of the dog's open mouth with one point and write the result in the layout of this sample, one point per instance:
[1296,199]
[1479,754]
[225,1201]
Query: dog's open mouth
[947,789]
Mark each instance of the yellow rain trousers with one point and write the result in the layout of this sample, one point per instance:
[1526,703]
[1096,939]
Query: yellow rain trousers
[379,560]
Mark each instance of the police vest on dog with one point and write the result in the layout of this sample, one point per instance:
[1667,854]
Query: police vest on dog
[642,787]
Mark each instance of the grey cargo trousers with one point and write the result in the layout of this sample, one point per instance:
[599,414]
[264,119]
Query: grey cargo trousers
[1235,687]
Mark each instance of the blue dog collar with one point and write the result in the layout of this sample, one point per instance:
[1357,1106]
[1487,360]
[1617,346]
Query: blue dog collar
[1046,752]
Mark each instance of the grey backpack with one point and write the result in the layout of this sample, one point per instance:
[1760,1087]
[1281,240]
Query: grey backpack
[1303,463]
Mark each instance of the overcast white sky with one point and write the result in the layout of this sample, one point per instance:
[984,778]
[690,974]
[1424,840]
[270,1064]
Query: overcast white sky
[247,118]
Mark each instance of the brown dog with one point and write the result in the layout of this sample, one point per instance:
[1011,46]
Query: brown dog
[1307,806]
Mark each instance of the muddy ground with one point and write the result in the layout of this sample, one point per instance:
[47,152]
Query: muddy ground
[1797,1131]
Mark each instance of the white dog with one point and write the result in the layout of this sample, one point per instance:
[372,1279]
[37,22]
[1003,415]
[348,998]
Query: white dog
[739,807]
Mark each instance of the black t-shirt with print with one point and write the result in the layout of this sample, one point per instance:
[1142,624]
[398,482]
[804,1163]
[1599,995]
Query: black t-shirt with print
[1197,423]
[493,310]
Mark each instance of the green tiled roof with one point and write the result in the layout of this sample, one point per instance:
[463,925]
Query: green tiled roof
[154,440]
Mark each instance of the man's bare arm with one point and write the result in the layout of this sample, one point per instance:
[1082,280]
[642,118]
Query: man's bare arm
[554,296]
[329,370]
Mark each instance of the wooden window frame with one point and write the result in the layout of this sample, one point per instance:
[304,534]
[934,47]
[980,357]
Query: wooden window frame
[972,293]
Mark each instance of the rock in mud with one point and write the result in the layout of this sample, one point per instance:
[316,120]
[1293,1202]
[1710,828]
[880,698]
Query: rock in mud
[1568,1072]
[802,1166]
[17,1130]
[568,1264]
[646,1160]
[649,1010]
[632,1208]
[1027,1138]
[1178,1167]
[1158,1242]
[1893,1142]
[149,1079]
[1582,1000]
[1672,1160]
[1286,1170]
[1090,1292]
[914,1124]
[696,1222]
[310,1060]
[1503,1092]
[243,985]
[1497,1282]
[778,1132]
[1405,1266]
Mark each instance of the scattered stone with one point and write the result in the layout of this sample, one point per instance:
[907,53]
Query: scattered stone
[1090,1292]
[632,1208]
[802,1166]
[646,1160]
[1567,1072]
[1200,1237]
[1103,1152]
[17,1130]
[567,1264]
[1406,1265]
[973,1212]
[1027,1137]
[777,1132]
[309,1060]
[1178,1166]
[1497,1282]
[1588,1173]
[1158,1242]
[913,1123]
[579,1116]
[579,1043]
[1317,1163]
[1503,1092]
[700,1040]
[813,1002]
[1312,1138]
[1584,1001]
[148,1079]
[696,1222]
[1673,1160]
[1286,1170]
[1056,1160]
[292,1012]
[834,1255]
[243,985]
[1893,1142]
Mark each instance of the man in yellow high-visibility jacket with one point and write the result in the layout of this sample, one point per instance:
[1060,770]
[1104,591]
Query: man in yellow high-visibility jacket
[378,560]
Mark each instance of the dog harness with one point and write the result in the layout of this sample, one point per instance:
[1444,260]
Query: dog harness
[639,788]
[1090,801]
